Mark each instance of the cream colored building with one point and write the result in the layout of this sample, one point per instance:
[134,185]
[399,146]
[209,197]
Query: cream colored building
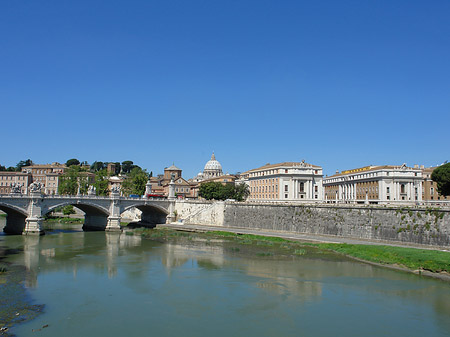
[7,179]
[375,185]
[47,174]
[288,181]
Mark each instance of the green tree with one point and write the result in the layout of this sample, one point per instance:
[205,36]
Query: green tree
[68,182]
[135,182]
[241,192]
[101,182]
[97,166]
[218,191]
[441,175]
[23,163]
[127,166]
[2,168]
[72,161]
[67,210]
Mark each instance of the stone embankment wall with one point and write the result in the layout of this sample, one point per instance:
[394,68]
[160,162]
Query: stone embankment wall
[200,212]
[418,225]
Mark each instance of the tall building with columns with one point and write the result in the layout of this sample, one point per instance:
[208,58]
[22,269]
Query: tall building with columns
[375,185]
[288,181]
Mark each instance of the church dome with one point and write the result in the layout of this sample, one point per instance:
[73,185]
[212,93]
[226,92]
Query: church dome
[213,164]
[212,168]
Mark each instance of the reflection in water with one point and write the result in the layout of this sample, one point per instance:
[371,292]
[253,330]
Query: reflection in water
[120,284]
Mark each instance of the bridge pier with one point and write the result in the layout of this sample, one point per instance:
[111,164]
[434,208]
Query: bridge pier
[33,226]
[33,223]
[113,224]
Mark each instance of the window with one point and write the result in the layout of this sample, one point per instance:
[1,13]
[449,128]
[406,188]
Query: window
[285,188]
[286,196]
[285,171]
[402,189]
[316,189]
[387,190]
[302,187]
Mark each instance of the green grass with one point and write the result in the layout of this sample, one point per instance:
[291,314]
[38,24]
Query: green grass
[3,215]
[65,220]
[411,258]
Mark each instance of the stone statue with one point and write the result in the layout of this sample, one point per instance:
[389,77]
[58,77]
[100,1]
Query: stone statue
[16,188]
[115,189]
[92,190]
[35,187]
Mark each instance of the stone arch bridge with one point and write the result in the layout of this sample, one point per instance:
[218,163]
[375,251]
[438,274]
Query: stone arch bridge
[25,212]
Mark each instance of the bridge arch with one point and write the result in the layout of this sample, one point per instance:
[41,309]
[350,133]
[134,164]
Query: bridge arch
[15,218]
[95,216]
[151,214]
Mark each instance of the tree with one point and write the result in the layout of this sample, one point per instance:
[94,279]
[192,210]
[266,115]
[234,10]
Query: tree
[135,182]
[23,163]
[97,166]
[101,182]
[68,182]
[441,175]
[67,210]
[72,161]
[127,166]
[117,164]
[218,191]
[2,168]
[242,191]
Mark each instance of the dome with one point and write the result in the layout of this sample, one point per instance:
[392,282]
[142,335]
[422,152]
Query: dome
[213,165]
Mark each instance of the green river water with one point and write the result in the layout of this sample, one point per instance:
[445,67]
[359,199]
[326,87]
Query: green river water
[106,284]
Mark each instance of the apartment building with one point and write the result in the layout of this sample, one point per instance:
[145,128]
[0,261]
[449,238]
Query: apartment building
[287,181]
[375,185]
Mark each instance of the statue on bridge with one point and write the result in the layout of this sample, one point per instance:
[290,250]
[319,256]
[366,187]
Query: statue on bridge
[115,189]
[92,190]
[35,187]
[16,188]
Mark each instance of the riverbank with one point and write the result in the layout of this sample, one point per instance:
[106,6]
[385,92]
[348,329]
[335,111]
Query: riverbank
[64,220]
[419,260]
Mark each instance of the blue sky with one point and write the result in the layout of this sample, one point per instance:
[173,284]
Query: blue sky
[341,84]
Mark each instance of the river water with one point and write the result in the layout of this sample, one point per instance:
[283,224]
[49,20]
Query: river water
[103,284]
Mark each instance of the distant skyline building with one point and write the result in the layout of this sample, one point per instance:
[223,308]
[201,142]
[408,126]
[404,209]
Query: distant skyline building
[212,169]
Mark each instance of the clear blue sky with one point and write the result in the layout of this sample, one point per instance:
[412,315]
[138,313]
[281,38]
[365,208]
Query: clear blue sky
[341,84]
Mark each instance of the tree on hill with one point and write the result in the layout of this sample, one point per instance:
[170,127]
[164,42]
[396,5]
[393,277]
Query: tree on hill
[441,175]
[127,166]
[97,166]
[23,163]
[72,162]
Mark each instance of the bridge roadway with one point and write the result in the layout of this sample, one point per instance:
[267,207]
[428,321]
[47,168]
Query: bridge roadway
[25,213]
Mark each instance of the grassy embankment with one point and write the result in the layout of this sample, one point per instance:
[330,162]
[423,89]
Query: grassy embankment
[64,220]
[409,258]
